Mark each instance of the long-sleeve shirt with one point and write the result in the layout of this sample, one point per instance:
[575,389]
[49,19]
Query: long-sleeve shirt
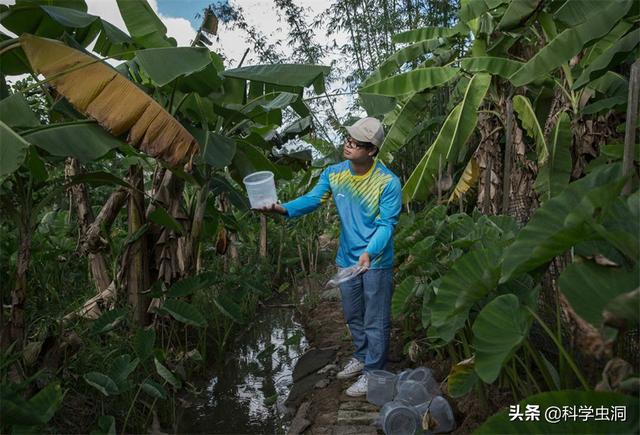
[368,206]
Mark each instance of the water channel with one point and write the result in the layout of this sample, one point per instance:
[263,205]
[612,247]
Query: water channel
[246,394]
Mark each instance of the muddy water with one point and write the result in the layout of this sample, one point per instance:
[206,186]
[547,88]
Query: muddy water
[245,395]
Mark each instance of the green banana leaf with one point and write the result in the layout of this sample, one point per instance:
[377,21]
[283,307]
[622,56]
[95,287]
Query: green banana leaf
[574,12]
[590,401]
[517,13]
[164,65]
[411,114]
[84,140]
[299,76]
[611,84]
[610,58]
[590,287]
[13,150]
[618,102]
[554,175]
[412,81]
[569,43]
[499,66]
[393,63]
[424,33]
[16,113]
[527,116]
[143,24]
[562,221]
[498,331]
[454,134]
[604,43]
[471,9]
[470,279]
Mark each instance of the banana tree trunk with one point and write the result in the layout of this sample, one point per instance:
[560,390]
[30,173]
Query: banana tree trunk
[19,293]
[631,124]
[136,259]
[97,263]
[263,236]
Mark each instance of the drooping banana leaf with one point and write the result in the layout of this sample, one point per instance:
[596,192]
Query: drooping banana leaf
[300,76]
[164,65]
[610,58]
[412,112]
[517,13]
[16,113]
[13,150]
[393,63]
[499,66]
[554,175]
[604,43]
[618,102]
[527,116]
[611,84]
[143,24]
[467,180]
[569,43]
[574,12]
[119,106]
[454,134]
[413,81]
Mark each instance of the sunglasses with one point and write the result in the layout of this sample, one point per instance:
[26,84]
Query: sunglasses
[352,143]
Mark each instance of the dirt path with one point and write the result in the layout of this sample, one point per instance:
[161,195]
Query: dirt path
[326,409]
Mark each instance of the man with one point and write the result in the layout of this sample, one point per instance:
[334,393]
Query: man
[368,199]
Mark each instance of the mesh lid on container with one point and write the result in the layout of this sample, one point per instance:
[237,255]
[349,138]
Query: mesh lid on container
[401,421]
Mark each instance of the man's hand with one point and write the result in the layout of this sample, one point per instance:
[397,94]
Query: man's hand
[364,261]
[273,208]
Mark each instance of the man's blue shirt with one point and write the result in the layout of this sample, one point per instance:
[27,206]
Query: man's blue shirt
[368,206]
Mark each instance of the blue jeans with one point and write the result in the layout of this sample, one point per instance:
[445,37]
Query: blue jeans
[366,303]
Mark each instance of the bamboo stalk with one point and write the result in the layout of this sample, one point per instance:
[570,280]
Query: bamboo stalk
[631,124]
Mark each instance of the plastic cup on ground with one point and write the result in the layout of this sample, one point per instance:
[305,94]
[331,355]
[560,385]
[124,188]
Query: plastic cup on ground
[261,189]
[413,392]
[441,416]
[425,377]
[398,418]
[380,387]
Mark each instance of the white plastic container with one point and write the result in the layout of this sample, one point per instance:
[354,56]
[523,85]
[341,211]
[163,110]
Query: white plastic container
[442,415]
[261,189]
[398,418]
[413,392]
[344,275]
[380,386]
[425,377]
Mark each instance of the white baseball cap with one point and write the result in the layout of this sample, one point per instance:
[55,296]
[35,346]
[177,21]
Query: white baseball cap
[367,130]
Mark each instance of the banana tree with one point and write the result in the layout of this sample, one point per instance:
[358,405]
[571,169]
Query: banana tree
[175,108]
[562,57]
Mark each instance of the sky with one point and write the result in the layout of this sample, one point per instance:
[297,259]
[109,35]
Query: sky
[179,18]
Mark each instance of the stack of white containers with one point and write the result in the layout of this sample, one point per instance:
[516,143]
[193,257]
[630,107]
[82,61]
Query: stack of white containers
[411,402]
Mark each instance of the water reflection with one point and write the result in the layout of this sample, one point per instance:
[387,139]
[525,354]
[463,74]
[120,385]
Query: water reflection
[245,394]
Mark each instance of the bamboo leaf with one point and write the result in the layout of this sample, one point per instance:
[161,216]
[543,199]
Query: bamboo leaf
[413,81]
[554,176]
[119,106]
[527,116]
[467,180]
[569,43]
[453,135]
[498,331]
